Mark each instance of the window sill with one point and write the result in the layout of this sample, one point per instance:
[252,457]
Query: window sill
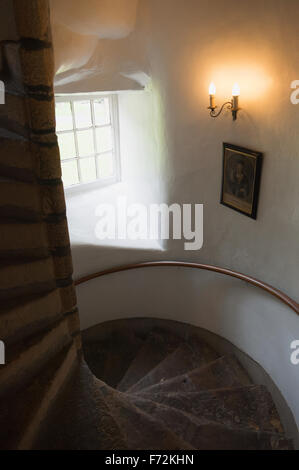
[93,186]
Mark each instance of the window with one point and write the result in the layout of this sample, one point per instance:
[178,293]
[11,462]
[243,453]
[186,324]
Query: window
[88,138]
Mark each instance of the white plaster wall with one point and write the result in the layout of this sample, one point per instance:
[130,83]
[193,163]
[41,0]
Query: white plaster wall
[93,48]
[190,43]
[186,44]
[110,19]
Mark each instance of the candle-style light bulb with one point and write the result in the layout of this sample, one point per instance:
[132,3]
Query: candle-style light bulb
[236,90]
[212,89]
[212,93]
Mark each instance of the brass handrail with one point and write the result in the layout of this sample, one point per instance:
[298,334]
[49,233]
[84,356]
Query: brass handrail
[182,264]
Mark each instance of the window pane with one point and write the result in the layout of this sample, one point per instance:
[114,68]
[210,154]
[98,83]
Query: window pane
[70,173]
[88,169]
[64,120]
[85,143]
[104,139]
[67,145]
[106,165]
[102,112]
[82,114]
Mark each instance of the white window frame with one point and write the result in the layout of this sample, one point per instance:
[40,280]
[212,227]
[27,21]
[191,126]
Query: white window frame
[114,115]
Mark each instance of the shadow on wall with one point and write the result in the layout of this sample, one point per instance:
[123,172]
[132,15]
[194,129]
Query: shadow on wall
[89,258]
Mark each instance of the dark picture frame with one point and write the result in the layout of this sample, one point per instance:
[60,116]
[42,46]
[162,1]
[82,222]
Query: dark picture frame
[241,178]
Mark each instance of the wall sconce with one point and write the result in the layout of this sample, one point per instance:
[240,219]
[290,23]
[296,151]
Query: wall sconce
[233,105]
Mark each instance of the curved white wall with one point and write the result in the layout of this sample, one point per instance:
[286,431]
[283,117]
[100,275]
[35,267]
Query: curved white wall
[249,318]
[183,45]
[189,43]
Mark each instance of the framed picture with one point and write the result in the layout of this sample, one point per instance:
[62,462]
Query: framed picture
[241,179]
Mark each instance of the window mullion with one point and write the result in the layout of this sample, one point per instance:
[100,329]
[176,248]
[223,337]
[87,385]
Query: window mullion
[76,141]
[113,104]
[94,138]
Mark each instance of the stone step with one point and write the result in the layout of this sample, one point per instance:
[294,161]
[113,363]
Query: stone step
[225,372]
[27,358]
[109,359]
[81,420]
[248,407]
[158,345]
[93,416]
[188,356]
[22,413]
[142,430]
[208,435]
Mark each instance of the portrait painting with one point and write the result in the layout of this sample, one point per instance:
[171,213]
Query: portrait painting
[241,179]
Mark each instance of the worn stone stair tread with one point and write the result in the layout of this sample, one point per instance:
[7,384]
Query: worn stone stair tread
[188,356]
[225,372]
[110,359]
[19,418]
[81,419]
[248,407]
[158,344]
[90,415]
[203,434]
[142,431]
[186,397]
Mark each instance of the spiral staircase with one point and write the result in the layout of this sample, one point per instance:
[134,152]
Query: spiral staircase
[161,390]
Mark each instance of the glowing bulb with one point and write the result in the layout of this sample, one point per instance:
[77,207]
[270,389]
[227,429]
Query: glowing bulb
[236,90]
[212,89]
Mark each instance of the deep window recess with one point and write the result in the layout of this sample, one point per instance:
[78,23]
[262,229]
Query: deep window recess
[88,137]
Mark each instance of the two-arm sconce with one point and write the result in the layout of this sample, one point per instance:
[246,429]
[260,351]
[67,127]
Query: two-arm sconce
[233,105]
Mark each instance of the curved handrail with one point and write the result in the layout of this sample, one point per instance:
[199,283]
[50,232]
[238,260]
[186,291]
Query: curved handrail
[227,272]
